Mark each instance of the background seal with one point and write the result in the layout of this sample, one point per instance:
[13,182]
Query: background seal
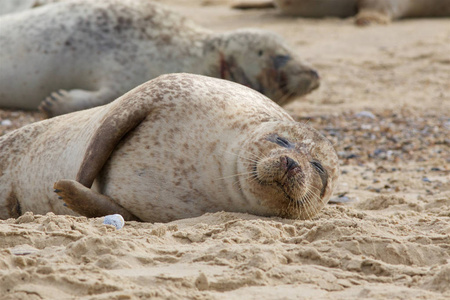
[81,54]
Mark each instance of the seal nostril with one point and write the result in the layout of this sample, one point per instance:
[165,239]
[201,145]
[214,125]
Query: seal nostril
[289,163]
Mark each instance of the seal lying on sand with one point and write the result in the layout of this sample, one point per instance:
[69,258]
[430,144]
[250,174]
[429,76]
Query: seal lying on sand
[378,11]
[318,8]
[96,51]
[175,147]
[384,11]
[368,11]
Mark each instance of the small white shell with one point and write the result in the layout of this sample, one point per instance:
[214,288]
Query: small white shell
[115,220]
[6,122]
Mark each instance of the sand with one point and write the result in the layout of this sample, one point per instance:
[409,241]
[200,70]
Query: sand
[384,102]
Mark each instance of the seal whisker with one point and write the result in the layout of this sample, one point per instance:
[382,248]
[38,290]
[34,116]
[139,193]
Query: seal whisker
[240,156]
[309,186]
[257,158]
[307,203]
[254,154]
[251,178]
[235,175]
[312,198]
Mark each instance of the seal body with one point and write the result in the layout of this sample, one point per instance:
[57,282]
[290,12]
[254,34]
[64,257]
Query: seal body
[81,54]
[175,147]
[384,11]
[318,8]
[367,11]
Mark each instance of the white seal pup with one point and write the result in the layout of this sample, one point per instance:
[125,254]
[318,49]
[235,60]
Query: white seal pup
[175,147]
[87,53]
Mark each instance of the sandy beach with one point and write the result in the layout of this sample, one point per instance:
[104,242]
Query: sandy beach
[384,102]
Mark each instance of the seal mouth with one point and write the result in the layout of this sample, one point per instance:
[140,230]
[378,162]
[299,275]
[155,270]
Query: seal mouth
[286,88]
[315,81]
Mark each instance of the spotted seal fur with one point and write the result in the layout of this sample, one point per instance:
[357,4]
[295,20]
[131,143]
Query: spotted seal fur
[81,54]
[175,147]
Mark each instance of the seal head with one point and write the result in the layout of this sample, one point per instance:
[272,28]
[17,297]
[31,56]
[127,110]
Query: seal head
[262,61]
[292,170]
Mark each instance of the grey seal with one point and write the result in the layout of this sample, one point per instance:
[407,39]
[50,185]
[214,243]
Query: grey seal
[366,11]
[75,55]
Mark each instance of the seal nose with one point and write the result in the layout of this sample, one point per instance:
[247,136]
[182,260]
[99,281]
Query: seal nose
[314,74]
[288,163]
[315,79]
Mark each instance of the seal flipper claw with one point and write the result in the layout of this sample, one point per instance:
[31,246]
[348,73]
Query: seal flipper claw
[62,101]
[47,105]
[88,202]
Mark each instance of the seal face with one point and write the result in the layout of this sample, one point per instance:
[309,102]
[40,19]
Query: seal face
[291,170]
[76,55]
[175,147]
[263,62]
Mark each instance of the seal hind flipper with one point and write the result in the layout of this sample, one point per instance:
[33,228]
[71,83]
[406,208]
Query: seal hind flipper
[87,202]
[127,112]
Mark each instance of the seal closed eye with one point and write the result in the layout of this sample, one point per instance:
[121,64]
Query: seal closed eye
[322,173]
[283,142]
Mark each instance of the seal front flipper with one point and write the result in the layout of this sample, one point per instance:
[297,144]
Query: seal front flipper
[62,101]
[88,202]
